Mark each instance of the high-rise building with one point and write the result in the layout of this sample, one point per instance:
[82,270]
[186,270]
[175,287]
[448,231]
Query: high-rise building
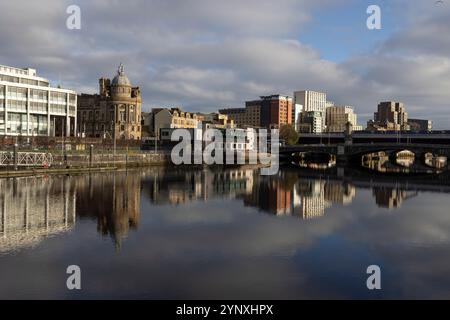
[312,101]
[276,110]
[114,112]
[269,112]
[30,107]
[420,125]
[337,118]
[391,116]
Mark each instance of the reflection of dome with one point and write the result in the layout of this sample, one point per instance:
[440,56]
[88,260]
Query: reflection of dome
[121,79]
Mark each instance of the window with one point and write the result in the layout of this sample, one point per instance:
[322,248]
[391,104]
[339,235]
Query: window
[17,93]
[132,114]
[38,106]
[58,97]
[38,95]
[17,105]
[72,99]
[57,108]
[29,81]
[122,116]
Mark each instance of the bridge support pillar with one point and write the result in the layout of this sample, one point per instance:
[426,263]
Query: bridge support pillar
[341,157]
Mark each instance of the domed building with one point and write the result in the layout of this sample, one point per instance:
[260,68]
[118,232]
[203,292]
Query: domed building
[114,112]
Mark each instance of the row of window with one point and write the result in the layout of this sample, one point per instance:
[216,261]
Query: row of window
[17,124]
[17,93]
[89,115]
[36,94]
[32,82]
[20,105]
[104,127]
[56,108]
[38,106]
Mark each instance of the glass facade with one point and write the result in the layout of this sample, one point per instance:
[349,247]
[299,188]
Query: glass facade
[17,123]
[28,105]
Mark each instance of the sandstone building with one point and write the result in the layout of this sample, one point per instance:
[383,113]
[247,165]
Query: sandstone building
[115,112]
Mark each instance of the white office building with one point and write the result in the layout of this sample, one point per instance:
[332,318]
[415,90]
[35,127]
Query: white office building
[30,107]
[313,102]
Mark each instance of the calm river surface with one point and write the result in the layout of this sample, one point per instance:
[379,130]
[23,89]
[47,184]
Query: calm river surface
[204,234]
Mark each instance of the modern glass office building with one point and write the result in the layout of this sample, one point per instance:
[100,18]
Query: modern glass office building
[30,107]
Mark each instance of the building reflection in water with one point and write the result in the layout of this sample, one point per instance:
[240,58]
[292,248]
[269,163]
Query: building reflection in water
[391,198]
[113,200]
[284,194]
[33,209]
[287,194]
[175,187]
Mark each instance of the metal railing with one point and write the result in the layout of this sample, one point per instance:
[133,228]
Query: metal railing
[25,159]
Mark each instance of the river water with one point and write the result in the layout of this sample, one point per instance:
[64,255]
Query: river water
[173,233]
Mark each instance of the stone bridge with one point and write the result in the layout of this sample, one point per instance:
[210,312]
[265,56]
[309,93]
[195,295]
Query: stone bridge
[347,152]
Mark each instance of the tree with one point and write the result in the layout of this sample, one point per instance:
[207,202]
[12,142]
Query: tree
[288,134]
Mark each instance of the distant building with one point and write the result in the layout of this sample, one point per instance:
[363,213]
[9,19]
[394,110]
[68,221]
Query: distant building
[249,116]
[296,113]
[146,120]
[216,120]
[30,107]
[113,113]
[311,122]
[312,101]
[420,125]
[268,112]
[233,139]
[174,118]
[337,118]
[391,116]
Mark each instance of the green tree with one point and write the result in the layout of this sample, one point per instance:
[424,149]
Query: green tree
[288,134]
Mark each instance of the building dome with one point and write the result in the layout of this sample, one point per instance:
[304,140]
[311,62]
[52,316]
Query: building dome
[121,79]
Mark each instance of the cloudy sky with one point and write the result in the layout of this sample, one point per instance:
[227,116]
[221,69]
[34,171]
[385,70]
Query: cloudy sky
[207,54]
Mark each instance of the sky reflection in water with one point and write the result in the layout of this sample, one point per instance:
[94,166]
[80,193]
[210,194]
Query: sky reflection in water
[231,234]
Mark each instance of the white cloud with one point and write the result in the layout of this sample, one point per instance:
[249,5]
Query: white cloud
[207,54]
